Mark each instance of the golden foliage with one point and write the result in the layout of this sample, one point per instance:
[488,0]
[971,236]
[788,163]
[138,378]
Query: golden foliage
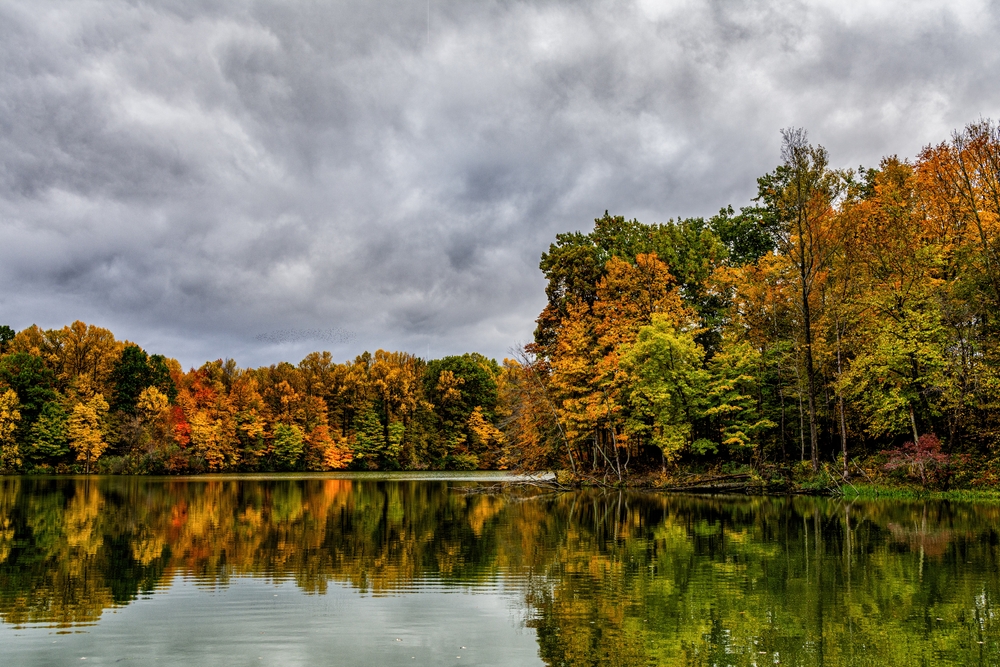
[152,403]
[85,434]
[10,416]
[449,387]
[213,437]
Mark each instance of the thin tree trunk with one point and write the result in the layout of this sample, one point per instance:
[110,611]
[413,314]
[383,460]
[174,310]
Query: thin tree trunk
[784,426]
[810,384]
[618,462]
[840,406]
[552,408]
[802,418]
[968,190]
[593,464]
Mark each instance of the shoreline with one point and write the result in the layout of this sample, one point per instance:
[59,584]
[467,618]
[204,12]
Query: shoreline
[735,485]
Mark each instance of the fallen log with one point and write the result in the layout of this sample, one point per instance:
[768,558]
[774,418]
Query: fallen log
[710,480]
[712,488]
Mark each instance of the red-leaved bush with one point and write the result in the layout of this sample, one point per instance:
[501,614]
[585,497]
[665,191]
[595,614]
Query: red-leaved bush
[923,460]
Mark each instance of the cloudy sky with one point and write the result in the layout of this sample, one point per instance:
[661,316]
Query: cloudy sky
[385,173]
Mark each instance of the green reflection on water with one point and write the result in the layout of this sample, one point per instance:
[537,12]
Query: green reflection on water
[604,578]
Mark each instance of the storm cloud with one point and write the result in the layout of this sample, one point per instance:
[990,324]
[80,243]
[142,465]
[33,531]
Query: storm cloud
[194,175]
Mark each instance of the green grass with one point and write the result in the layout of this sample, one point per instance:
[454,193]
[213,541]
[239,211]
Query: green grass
[871,492]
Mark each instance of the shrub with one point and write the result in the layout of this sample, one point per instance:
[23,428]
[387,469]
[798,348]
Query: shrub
[922,461]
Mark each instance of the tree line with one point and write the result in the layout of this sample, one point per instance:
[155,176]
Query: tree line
[844,314]
[78,399]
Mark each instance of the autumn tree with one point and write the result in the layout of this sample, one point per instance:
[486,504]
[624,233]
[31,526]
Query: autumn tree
[761,312]
[899,338]
[455,387]
[86,436]
[534,438]
[85,355]
[327,451]
[964,177]
[208,416]
[251,415]
[10,416]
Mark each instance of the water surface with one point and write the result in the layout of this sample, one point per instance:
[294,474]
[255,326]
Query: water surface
[369,570]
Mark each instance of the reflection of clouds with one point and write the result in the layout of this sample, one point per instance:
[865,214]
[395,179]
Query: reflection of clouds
[335,335]
[256,621]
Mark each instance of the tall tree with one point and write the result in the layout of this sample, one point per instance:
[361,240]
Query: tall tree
[800,194]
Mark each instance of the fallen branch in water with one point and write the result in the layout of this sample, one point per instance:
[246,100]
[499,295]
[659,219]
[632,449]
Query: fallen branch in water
[550,484]
[700,481]
[744,483]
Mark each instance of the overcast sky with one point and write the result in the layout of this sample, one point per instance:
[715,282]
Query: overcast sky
[386,173]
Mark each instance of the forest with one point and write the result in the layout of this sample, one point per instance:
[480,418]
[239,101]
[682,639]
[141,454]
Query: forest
[847,318]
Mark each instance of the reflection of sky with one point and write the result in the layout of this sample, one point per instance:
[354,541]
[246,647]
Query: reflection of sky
[253,622]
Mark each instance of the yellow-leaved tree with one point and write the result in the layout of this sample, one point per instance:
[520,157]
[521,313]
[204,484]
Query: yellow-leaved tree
[151,404]
[85,436]
[10,456]
[486,437]
[153,408]
[213,436]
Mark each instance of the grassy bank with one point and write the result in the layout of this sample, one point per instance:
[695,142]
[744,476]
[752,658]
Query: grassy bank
[791,479]
[878,492]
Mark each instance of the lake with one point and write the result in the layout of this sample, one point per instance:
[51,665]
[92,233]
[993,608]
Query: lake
[423,570]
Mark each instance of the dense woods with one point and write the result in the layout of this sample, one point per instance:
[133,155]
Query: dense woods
[844,315]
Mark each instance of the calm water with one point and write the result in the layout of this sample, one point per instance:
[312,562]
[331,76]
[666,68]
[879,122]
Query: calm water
[368,571]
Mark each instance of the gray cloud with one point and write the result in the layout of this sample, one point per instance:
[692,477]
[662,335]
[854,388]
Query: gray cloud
[195,174]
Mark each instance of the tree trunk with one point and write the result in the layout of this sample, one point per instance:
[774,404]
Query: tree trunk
[526,363]
[802,417]
[810,368]
[840,408]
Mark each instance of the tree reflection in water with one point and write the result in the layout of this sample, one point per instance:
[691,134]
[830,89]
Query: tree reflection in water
[605,578]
